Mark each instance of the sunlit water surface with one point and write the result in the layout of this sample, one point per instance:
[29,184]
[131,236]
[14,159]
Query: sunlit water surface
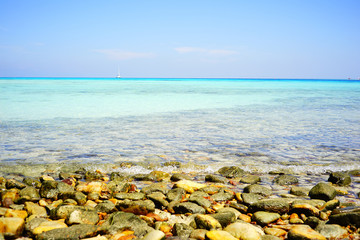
[260,125]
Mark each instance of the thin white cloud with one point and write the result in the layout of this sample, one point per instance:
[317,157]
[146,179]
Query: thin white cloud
[218,52]
[117,54]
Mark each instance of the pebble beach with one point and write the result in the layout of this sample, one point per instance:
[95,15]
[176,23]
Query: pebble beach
[73,202]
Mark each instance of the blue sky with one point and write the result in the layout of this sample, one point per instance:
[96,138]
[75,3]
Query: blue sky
[187,38]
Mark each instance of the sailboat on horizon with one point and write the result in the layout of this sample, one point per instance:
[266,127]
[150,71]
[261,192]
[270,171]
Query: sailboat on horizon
[118,75]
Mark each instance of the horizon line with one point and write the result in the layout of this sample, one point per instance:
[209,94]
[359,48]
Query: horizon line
[230,78]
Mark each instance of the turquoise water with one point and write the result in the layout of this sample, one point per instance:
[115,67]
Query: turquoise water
[306,125]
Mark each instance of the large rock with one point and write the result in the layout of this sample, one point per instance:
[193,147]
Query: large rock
[304,232]
[286,180]
[244,231]
[155,187]
[250,179]
[225,218]
[74,232]
[188,207]
[35,209]
[332,231]
[176,194]
[122,220]
[30,194]
[264,218]
[231,172]
[215,178]
[49,189]
[346,216]
[83,217]
[259,189]
[130,196]
[277,205]
[182,230]
[323,191]
[340,178]
[250,198]
[64,211]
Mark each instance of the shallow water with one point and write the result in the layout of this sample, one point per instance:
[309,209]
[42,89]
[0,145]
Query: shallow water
[262,125]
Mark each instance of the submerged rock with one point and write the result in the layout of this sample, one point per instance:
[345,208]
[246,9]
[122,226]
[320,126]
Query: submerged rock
[323,191]
[258,189]
[286,180]
[340,178]
[231,172]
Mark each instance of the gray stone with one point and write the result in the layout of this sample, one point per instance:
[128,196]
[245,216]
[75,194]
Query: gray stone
[83,217]
[250,179]
[299,191]
[118,177]
[222,196]
[74,232]
[106,206]
[64,211]
[131,196]
[332,231]
[123,220]
[250,198]
[346,216]
[116,186]
[155,187]
[286,180]
[225,218]
[159,199]
[64,188]
[323,191]
[178,176]
[231,172]
[182,230]
[49,189]
[229,209]
[340,178]
[259,189]
[264,218]
[277,205]
[93,176]
[215,178]
[176,194]
[200,201]
[32,182]
[30,194]
[79,197]
[188,207]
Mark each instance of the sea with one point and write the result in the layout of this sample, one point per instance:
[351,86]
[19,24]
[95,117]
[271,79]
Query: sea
[307,126]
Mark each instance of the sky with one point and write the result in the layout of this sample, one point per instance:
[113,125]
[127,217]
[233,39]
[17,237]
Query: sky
[180,39]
